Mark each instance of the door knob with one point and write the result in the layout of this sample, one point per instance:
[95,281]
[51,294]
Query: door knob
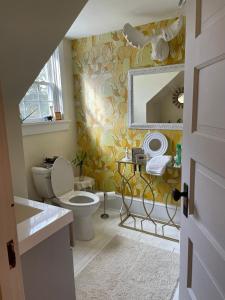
[177,194]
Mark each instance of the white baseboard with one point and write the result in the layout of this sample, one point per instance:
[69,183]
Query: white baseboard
[114,201]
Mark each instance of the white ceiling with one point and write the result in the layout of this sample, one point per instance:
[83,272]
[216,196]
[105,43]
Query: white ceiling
[100,16]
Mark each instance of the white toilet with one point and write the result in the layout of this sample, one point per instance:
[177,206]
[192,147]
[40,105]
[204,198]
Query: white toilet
[57,184]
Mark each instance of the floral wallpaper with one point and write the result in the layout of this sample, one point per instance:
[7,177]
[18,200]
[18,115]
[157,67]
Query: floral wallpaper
[100,66]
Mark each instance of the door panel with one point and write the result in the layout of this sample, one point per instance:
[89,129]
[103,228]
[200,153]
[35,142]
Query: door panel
[209,184]
[210,11]
[209,8]
[203,235]
[200,276]
[205,51]
[204,148]
[211,256]
[211,87]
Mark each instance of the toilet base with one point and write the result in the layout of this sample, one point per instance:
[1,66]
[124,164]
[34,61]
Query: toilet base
[83,228]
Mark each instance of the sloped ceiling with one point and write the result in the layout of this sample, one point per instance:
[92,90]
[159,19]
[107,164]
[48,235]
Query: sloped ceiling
[30,31]
[100,16]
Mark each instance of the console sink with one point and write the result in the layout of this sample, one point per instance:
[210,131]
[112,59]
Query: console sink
[37,221]
[24,212]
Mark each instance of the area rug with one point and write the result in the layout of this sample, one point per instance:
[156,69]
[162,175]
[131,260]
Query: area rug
[127,269]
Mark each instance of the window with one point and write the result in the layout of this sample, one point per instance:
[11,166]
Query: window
[45,95]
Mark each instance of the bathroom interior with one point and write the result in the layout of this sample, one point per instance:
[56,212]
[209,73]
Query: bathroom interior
[101,130]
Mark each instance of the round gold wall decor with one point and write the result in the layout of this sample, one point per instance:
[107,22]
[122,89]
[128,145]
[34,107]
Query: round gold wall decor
[178,97]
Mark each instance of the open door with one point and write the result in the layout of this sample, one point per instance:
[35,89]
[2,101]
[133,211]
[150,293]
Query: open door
[203,230]
[11,286]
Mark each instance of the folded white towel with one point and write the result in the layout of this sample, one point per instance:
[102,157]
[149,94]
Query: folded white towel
[157,165]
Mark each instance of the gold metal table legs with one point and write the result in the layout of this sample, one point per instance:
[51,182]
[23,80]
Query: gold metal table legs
[126,213]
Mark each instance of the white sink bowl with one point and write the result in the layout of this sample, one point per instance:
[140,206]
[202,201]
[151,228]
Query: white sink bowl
[24,212]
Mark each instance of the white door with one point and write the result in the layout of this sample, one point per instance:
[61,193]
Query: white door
[203,231]
[11,287]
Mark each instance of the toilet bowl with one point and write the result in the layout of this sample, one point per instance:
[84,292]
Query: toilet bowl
[84,205]
[57,183]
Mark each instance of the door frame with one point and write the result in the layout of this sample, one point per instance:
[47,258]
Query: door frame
[11,283]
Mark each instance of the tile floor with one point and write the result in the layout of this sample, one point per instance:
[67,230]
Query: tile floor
[105,230]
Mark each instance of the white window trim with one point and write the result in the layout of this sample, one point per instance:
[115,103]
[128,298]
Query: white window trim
[31,128]
[54,68]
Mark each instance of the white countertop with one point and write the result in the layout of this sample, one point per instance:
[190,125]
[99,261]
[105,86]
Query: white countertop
[37,221]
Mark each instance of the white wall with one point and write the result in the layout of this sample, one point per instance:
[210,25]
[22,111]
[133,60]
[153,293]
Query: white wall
[30,31]
[62,143]
[15,143]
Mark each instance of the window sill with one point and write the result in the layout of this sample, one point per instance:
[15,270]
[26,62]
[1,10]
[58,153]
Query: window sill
[44,127]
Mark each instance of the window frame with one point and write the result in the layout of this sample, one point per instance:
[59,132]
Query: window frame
[54,83]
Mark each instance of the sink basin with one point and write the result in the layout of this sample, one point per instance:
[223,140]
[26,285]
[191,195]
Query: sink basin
[24,212]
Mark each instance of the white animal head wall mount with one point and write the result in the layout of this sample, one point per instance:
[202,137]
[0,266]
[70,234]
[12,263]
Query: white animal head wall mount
[159,39]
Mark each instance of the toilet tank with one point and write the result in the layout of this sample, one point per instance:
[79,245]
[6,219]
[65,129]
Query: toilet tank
[42,182]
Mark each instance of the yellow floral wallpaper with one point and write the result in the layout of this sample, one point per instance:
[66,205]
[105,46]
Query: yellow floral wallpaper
[100,66]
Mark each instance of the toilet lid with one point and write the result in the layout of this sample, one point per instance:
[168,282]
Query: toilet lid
[62,177]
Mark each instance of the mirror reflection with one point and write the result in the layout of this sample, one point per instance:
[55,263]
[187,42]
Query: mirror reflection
[156,97]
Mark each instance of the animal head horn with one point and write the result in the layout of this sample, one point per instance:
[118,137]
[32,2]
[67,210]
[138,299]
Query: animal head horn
[135,37]
[159,40]
[171,31]
[160,46]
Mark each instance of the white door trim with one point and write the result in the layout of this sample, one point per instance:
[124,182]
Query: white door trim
[11,284]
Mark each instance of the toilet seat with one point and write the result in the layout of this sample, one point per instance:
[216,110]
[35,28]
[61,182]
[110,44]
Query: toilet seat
[66,199]
[62,180]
